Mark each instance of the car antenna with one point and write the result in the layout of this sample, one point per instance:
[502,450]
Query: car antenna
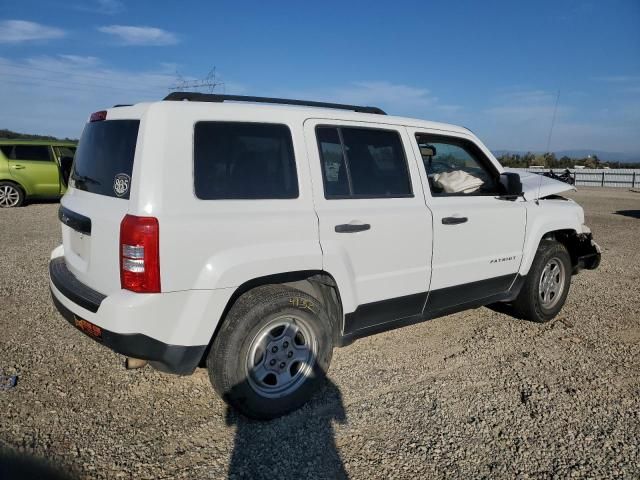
[553,121]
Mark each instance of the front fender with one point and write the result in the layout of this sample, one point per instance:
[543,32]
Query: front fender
[547,217]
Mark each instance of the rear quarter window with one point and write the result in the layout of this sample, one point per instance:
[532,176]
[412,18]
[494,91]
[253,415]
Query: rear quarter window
[104,158]
[234,160]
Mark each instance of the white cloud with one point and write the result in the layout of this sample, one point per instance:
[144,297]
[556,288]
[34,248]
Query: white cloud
[618,78]
[106,7]
[522,119]
[400,97]
[61,91]
[19,31]
[140,35]
[394,98]
[450,109]
[79,60]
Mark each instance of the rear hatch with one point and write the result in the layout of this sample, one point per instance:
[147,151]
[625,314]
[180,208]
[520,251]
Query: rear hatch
[97,201]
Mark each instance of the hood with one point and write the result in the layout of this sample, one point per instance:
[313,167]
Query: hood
[538,186]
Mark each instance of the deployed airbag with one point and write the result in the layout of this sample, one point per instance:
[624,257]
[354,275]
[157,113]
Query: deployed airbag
[457,181]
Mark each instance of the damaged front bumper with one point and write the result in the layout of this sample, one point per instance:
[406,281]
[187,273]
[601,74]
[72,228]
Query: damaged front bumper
[586,251]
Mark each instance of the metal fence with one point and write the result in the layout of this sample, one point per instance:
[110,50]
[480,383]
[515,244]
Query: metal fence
[592,177]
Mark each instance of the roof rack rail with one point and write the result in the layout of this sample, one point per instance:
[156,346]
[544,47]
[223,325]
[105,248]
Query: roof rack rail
[212,97]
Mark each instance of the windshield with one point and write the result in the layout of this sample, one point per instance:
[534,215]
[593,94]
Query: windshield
[104,159]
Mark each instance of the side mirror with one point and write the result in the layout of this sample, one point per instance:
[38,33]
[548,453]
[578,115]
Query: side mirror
[511,183]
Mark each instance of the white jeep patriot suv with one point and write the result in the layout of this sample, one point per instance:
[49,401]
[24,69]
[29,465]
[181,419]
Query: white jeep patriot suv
[256,234]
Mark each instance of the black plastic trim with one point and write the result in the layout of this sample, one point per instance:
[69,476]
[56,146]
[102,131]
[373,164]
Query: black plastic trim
[590,261]
[74,220]
[583,251]
[446,298]
[216,98]
[378,317]
[178,359]
[72,288]
[375,313]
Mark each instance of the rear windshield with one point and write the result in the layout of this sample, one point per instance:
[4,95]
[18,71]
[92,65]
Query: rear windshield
[104,159]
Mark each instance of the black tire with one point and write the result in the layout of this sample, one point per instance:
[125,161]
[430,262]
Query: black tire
[251,314]
[529,304]
[10,188]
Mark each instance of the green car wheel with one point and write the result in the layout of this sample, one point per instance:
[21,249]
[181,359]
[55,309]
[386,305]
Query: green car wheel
[11,195]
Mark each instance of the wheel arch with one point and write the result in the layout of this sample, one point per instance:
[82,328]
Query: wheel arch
[577,244]
[317,283]
[18,186]
[568,237]
[16,183]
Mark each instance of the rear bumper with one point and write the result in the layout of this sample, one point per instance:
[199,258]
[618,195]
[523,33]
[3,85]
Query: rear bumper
[73,299]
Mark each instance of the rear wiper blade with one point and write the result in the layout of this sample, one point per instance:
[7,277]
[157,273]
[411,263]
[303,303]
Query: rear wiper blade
[85,179]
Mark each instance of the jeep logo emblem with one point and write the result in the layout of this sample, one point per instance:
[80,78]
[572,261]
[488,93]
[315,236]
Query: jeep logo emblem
[121,184]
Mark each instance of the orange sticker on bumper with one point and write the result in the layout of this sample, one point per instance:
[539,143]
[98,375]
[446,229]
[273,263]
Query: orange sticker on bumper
[89,328]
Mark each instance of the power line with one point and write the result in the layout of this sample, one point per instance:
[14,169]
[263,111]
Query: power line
[209,83]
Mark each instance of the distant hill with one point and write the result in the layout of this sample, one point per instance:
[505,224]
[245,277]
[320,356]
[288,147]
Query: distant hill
[11,135]
[603,156]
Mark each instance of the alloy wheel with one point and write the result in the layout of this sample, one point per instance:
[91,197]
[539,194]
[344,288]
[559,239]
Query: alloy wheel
[9,196]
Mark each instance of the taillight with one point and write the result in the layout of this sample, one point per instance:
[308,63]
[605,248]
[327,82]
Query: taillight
[140,254]
[98,116]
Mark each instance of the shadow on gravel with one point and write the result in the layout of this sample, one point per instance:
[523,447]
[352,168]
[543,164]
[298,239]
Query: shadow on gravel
[298,445]
[629,213]
[14,466]
[505,308]
[40,201]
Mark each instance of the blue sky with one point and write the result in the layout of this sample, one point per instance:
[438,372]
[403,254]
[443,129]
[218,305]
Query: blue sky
[494,66]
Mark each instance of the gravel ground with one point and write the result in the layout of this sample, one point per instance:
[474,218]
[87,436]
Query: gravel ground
[477,394]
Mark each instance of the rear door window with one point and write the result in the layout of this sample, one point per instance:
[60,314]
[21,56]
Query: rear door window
[363,163]
[234,160]
[38,153]
[104,157]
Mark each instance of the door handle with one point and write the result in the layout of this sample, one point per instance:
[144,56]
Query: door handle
[352,227]
[18,167]
[453,220]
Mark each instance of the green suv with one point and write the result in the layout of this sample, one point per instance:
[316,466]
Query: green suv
[33,169]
